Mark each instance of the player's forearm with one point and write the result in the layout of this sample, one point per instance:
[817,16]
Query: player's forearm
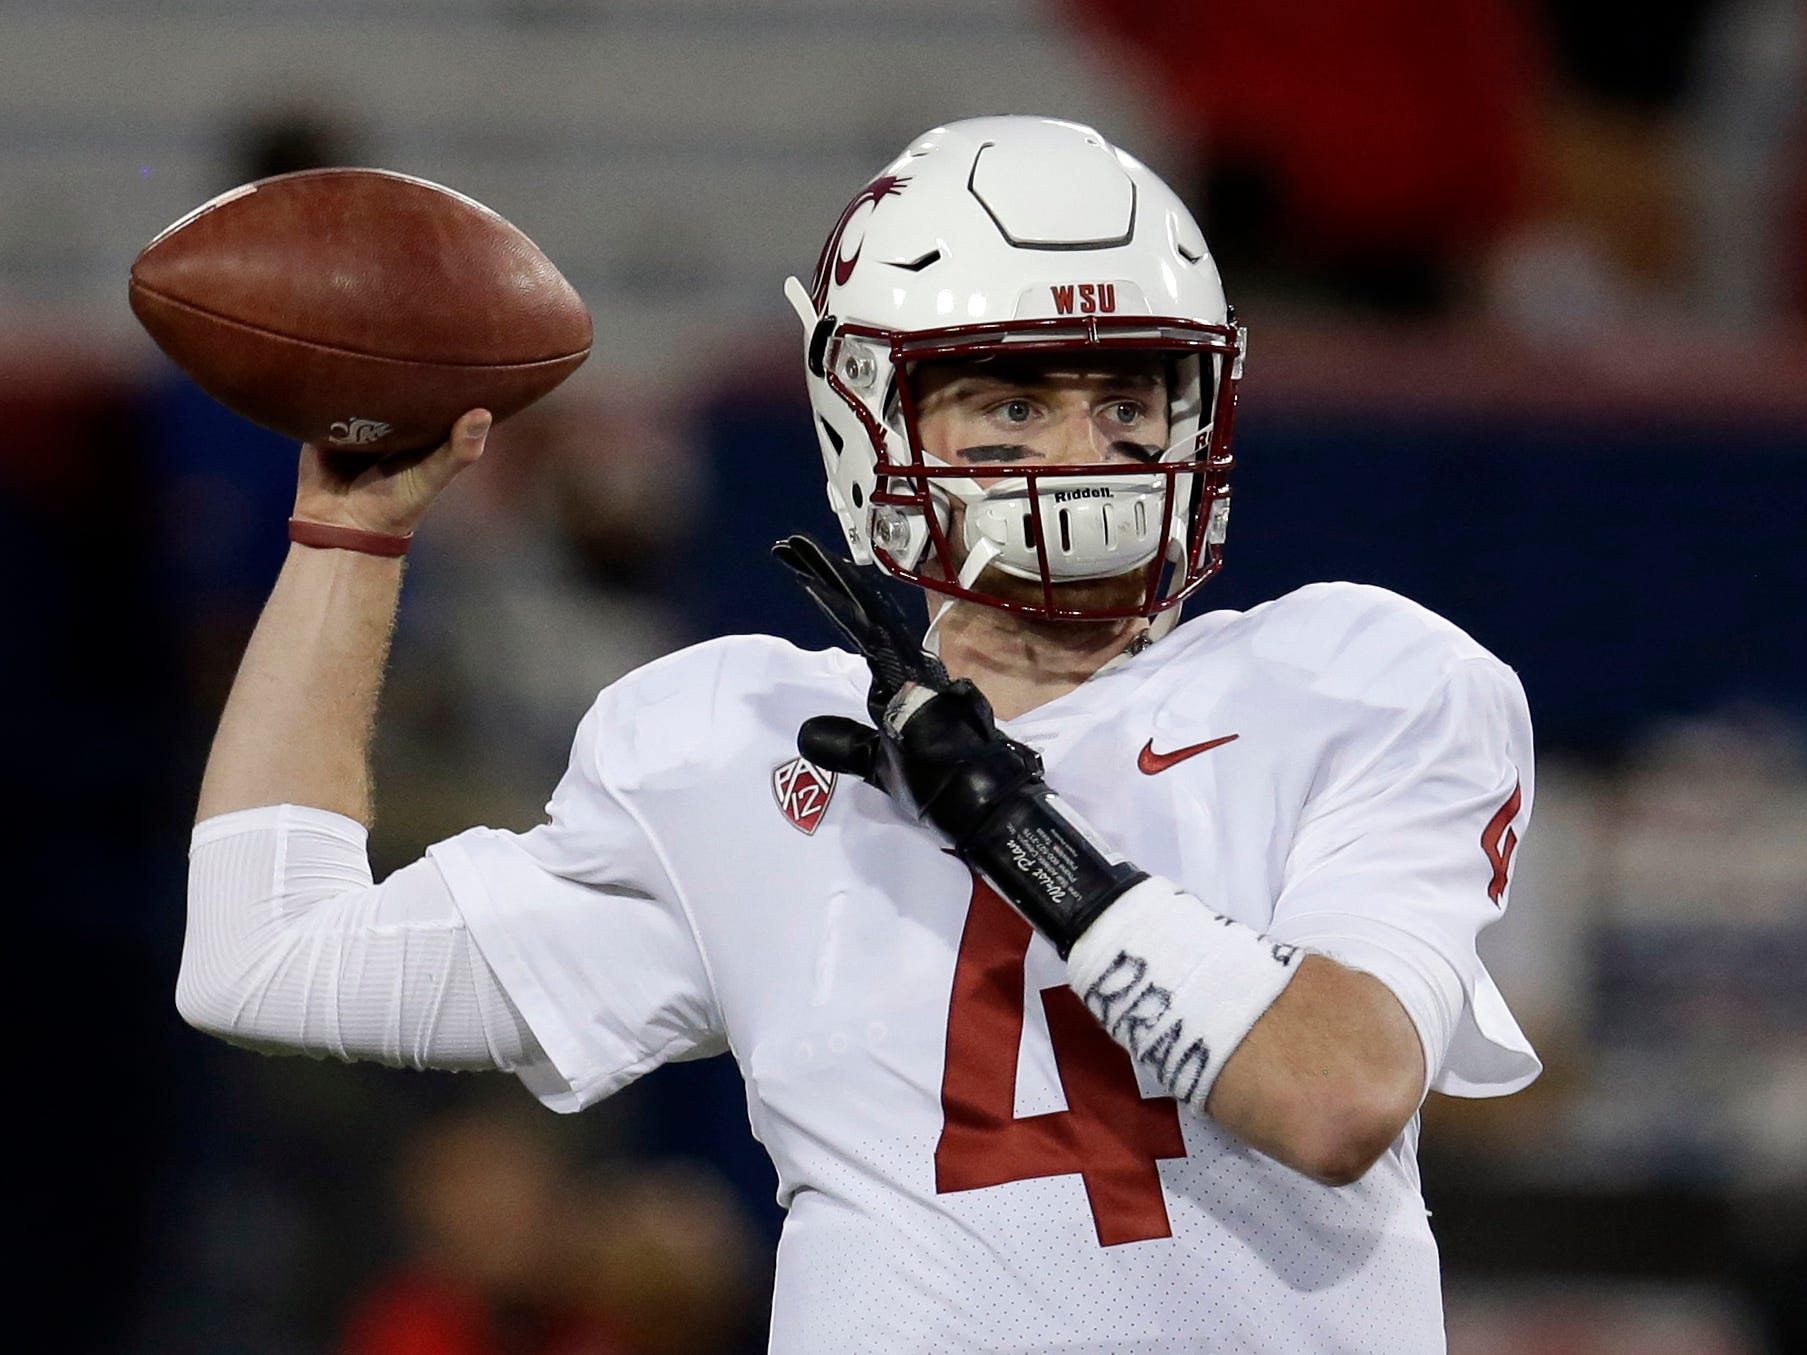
[1315,1064]
[1327,1078]
[297,725]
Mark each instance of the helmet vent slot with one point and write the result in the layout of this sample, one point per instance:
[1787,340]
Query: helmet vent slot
[1141,518]
[834,439]
[1066,531]
[916,265]
[1104,520]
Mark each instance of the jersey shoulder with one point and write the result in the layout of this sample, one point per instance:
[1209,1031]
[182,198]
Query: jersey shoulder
[1343,641]
[701,673]
[698,708]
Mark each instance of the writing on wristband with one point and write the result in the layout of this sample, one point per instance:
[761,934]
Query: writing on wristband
[1139,1016]
[1047,863]
[326,536]
[1177,985]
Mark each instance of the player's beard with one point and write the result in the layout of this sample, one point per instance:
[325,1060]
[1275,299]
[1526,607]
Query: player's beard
[1119,593]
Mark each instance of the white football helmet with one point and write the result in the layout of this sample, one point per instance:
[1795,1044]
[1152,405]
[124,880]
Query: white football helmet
[1013,235]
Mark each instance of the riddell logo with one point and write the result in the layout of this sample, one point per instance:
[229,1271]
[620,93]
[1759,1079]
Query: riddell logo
[1085,298]
[803,791]
[1068,495]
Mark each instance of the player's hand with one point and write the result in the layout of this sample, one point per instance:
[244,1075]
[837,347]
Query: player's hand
[388,494]
[868,616]
[936,748]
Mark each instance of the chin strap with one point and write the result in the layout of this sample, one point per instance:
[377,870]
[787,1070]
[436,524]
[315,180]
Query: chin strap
[1162,622]
[982,554]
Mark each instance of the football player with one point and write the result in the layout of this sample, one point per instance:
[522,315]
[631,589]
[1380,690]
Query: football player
[1086,971]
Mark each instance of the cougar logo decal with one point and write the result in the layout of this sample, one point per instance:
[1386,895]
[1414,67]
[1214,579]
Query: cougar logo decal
[358,432]
[837,260]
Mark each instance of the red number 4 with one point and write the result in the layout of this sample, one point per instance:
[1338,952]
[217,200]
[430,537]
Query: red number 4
[1498,841]
[1110,1134]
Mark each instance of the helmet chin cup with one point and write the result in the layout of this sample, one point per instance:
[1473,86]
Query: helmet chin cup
[1084,527]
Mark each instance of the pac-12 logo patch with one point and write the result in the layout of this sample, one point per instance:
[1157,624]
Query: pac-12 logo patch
[802,790]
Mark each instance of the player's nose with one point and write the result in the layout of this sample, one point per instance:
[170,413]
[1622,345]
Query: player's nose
[1074,441]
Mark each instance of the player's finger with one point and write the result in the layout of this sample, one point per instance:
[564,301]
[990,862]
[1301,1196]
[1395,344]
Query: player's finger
[460,451]
[838,744]
[469,435]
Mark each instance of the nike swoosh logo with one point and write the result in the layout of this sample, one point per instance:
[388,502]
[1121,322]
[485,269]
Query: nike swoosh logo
[1151,762]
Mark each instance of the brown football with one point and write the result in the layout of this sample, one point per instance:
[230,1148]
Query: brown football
[358,309]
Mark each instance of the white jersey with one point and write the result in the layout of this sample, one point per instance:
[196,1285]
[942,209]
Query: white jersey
[967,1161]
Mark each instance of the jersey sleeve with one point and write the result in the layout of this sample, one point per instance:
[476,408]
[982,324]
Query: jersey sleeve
[581,923]
[1403,858]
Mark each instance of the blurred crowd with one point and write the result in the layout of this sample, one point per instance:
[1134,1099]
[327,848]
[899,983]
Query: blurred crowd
[1607,179]
[511,1248]
[1564,170]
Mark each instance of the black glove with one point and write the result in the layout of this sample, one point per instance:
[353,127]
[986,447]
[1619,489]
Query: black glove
[938,752]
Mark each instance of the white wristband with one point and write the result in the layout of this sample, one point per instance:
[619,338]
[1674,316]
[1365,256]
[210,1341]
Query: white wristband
[1176,984]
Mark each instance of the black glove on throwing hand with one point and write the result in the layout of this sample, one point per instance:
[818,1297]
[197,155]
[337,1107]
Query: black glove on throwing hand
[937,751]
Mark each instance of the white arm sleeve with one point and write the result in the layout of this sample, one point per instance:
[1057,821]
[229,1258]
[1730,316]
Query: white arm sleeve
[292,947]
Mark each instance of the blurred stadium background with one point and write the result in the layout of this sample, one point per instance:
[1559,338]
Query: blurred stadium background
[1527,288]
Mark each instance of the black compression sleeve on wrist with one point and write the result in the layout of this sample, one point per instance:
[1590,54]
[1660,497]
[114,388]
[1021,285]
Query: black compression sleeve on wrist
[1048,864]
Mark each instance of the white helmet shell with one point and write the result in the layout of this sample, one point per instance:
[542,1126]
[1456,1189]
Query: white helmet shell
[1019,234]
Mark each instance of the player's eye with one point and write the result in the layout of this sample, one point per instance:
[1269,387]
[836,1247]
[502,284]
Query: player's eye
[1014,411]
[1126,412]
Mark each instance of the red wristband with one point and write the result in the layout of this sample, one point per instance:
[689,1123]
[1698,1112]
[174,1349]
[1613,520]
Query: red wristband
[327,537]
